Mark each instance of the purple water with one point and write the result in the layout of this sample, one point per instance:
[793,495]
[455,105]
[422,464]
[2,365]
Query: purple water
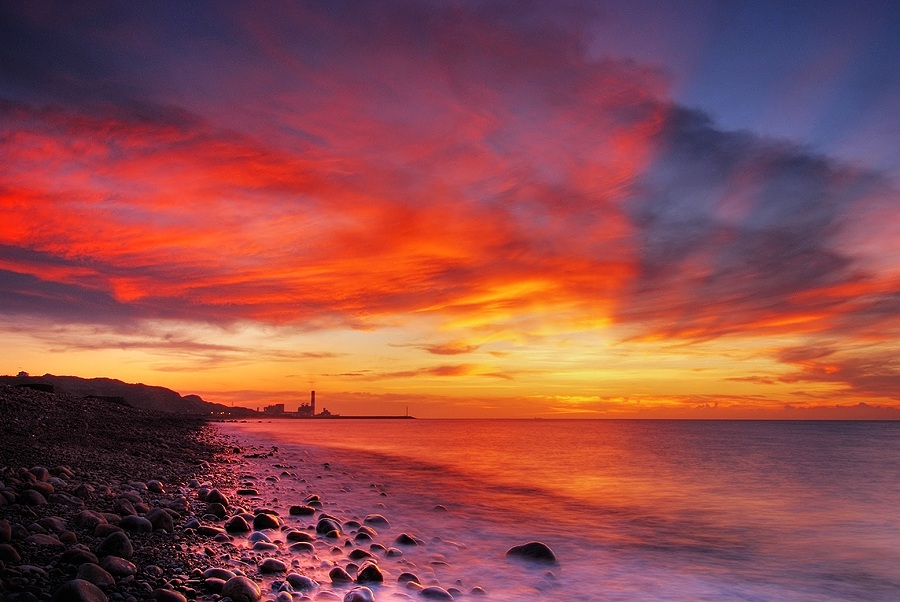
[635,510]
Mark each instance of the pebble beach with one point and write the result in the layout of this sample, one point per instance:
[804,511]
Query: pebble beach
[103,502]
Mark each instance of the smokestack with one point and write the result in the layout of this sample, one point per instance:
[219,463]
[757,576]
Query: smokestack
[312,402]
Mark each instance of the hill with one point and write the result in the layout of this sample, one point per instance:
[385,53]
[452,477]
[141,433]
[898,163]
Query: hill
[145,397]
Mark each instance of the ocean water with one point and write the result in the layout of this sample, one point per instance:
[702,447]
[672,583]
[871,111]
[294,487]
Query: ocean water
[634,510]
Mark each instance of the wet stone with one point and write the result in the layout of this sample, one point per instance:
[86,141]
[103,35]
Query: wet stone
[43,540]
[264,520]
[241,589]
[359,594]
[339,576]
[116,544]
[272,565]
[326,526]
[301,583]
[9,554]
[534,551]
[118,566]
[79,590]
[407,578]
[237,524]
[298,536]
[302,510]
[369,573]
[405,539]
[160,519]
[301,547]
[218,573]
[138,524]
[30,497]
[95,574]
[376,519]
[167,595]
[434,592]
[77,556]
[214,496]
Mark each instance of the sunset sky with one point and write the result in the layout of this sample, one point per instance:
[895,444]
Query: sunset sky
[474,209]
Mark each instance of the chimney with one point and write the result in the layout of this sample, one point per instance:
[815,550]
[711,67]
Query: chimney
[312,402]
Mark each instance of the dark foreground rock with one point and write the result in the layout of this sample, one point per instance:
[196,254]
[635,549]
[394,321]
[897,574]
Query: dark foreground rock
[534,551]
[94,498]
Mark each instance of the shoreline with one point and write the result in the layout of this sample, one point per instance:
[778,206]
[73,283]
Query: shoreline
[80,475]
[106,503]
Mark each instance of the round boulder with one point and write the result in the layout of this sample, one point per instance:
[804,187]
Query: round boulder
[369,573]
[214,496]
[534,551]
[138,524]
[339,576]
[237,524]
[79,590]
[168,595]
[301,583]
[116,544]
[272,565]
[434,592]
[325,526]
[241,589]
[359,594]
[264,520]
[160,519]
[95,574]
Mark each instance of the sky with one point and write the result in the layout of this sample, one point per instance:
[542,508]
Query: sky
[467,209]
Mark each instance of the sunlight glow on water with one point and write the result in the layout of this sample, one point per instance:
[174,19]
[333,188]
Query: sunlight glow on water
[637,510]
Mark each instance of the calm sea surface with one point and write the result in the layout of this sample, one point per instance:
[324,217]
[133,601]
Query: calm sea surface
[635,510]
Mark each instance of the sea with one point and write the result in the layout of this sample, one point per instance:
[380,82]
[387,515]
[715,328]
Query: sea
[633,510]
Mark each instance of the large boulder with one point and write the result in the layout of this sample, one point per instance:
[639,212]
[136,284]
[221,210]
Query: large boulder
[241,589]
[534,551]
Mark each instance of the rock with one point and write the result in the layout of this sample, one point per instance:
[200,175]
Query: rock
[44,541]
[301,547]
[95,574]
[79,590]
[160,519]
[116,544]
[301,583]
[302,510]
[214,585]
[210,530]
[264,546]
[54,523]
[298,536]
[359,554]
[405,539]
[434,592]
[241,589]
[78,556]
[118,566]
[264,520]
[407,577]
[40,473]
[138,524]
[30,497]
[339,576]
[89,519]
[155,486]
[44,489]
[168,595]
[272,565]
[359,594]
[9,554]
[5,531]
[326,526]
[393,552]
[376,519]
[217,510]
[105,529]
[124,507]
[369,573]
[214,496]
[248,491]
[534,551]
[478,591]
[237,524]
[218,573]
